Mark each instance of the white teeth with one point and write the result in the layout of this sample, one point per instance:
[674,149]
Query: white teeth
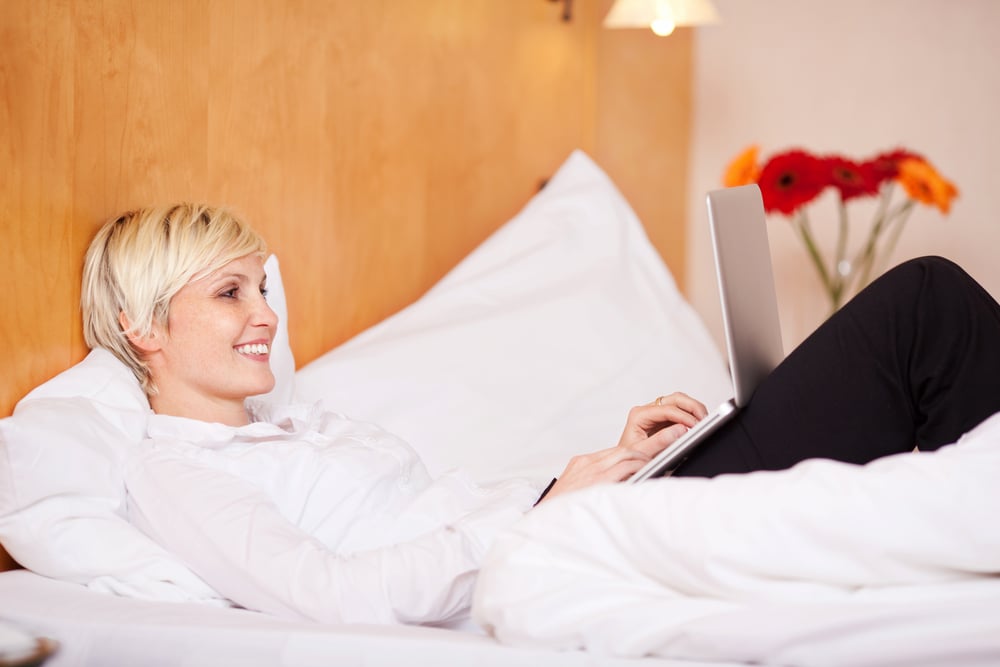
[254,348]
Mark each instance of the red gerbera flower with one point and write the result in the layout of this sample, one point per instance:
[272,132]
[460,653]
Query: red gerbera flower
[885,166]
[790,180]
[852,179]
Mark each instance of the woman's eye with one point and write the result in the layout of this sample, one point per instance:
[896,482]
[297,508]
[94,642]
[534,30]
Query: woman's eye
[230,293]
[264,292]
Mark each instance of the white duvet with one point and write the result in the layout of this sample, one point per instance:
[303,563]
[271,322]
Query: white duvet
[896,562]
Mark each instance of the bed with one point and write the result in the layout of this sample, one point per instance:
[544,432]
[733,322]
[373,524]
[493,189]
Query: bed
[537,343]
[558,323]
[97,629]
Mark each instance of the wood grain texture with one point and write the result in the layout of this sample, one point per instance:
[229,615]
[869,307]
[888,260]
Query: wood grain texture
[373,144]
[643,114]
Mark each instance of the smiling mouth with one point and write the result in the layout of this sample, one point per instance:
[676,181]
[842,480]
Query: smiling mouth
[253,349]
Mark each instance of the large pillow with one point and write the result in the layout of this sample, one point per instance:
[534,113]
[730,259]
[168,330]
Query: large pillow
[534,347]
[62,495]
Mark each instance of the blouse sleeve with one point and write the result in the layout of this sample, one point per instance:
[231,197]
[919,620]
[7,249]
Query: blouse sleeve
[231,534]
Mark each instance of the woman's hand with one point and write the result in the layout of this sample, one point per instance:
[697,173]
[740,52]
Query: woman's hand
[648,430]
[651,427]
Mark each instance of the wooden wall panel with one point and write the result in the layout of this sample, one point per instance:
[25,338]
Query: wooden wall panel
[36,127]
[373,143]
[643,113]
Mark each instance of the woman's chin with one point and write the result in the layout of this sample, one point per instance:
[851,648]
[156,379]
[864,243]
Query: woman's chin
[263,385]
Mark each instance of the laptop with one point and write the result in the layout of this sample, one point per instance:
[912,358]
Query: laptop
[749,314]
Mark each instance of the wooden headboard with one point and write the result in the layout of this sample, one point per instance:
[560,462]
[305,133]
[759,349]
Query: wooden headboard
[372,143]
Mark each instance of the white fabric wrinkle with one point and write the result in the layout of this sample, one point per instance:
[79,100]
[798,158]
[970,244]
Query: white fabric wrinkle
[338,524]
[810,566]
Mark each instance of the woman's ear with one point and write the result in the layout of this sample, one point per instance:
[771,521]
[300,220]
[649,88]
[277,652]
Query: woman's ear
[145,343]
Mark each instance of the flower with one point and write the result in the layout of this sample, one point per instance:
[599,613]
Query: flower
[923,183]
[852,179]
[791,180]
[743,169]
[885,166]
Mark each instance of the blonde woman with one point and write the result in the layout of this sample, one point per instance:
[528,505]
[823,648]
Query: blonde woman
[299,511]
[294,510]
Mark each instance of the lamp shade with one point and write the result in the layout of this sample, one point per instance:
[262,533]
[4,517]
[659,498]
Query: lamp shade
[663,13]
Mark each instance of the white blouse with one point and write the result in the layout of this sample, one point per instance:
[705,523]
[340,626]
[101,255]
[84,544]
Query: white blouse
[306,513]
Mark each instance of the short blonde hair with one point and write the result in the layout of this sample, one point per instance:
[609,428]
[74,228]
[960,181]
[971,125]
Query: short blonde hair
[139,260]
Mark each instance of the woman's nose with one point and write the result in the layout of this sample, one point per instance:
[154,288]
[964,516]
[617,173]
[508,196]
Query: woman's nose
[264,315]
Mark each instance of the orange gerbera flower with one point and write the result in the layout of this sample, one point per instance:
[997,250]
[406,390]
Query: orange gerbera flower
[743,170]
[923,183]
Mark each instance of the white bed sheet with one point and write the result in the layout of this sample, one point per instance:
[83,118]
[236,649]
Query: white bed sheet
[107,631]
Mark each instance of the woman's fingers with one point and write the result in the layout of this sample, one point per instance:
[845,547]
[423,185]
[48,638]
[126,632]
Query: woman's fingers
[683,402]
[649,429]
[615,464]
[607,465]
[660,440]
[645,420]
[596,464]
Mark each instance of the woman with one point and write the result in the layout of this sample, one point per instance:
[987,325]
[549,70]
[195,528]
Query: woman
[295,511]
[303,512]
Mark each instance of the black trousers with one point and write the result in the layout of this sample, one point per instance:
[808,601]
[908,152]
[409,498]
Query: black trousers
[912,361]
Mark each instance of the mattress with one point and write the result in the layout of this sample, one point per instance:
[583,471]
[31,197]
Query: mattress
[99,629]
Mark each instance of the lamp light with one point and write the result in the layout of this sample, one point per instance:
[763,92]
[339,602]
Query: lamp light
[661,16]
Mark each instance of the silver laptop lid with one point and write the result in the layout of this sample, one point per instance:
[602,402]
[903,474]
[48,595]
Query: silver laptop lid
[746,286]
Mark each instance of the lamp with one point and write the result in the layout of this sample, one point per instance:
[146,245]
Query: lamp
[661,16]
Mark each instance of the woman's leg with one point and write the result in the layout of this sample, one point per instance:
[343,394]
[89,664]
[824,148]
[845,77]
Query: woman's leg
[913,360]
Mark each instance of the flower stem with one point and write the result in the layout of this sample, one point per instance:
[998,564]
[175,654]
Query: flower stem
[903,214]
[866,258]
[802,225]
[897,216]
[839,279]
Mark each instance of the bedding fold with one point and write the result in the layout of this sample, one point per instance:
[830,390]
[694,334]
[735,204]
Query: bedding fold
[826,563]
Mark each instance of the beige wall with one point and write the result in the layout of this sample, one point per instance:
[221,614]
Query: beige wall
[857,77]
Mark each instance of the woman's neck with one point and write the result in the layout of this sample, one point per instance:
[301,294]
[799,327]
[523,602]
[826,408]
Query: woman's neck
[228,412]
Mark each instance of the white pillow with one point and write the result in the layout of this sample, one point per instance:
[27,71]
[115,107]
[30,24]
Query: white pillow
[534,347]
[282,359]
[62,495]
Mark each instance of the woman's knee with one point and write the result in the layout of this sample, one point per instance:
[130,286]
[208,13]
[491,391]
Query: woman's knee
[929,265]
[931,275]
[925,285]
[940,288]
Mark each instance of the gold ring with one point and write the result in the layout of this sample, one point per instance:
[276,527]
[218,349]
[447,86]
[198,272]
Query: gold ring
[659,400]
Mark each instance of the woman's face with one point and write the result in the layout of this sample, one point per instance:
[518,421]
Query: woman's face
[215,350]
